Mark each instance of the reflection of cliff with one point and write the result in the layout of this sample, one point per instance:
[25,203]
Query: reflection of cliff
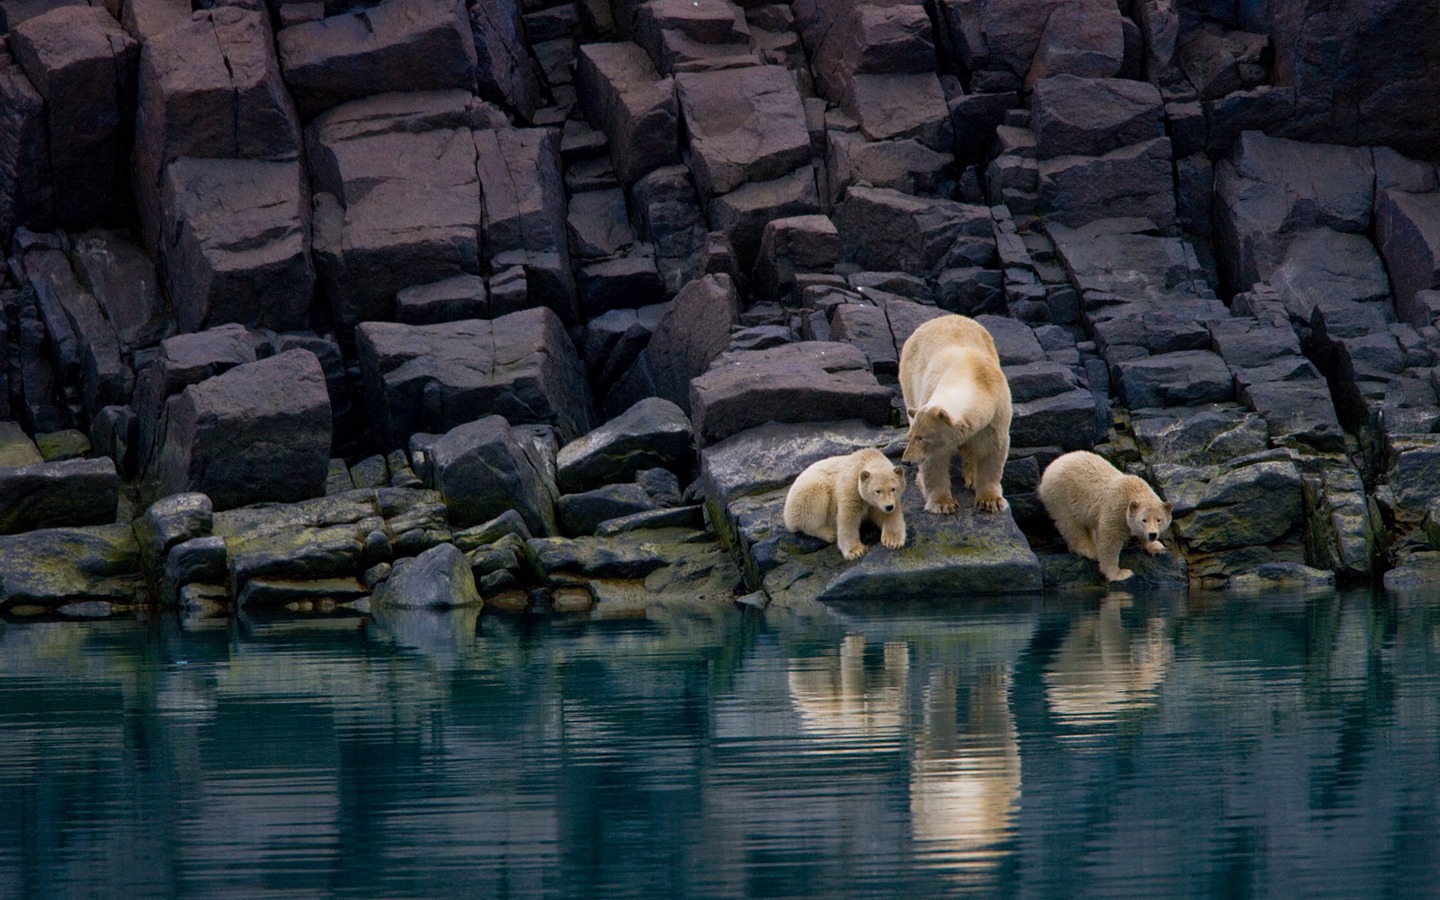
[1101,669]
[965,762]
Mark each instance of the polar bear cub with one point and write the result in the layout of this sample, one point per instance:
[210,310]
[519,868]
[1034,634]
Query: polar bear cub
[833,496]
[958,400]
[1097,508]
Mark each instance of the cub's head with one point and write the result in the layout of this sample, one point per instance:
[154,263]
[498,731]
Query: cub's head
[931,432]
[881,485]
[1147,518]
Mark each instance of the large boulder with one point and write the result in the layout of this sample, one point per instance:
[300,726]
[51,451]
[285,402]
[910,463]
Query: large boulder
[71,492]
[1074,116]
[397,45]
[885,230]
[505,72]
[624,96]
[653,433]
[743,125]
[485,467]
[235,244]
[1407,228]
[692,332]
[432,378]
[397,198]
[814,381]
[27,192]
[123,281]
[439,578]
[259,432]
[1324,266]
[1135,181]
[1271,189]
[83,64]
[53,567]
[209,89]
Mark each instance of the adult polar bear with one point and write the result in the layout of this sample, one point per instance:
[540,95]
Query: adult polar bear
[957,399]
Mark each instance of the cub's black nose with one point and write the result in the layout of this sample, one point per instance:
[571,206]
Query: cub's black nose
[889,507]
[1154,535]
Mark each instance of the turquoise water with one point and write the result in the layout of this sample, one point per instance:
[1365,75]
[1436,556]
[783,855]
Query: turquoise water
[1123,746]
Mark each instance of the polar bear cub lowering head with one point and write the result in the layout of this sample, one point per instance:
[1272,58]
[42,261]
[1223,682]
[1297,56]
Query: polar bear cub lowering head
[833,496]
[1097,508]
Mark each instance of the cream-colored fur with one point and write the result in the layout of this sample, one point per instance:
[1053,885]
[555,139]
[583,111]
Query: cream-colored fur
[958,400]
[833,496]
[1097,508]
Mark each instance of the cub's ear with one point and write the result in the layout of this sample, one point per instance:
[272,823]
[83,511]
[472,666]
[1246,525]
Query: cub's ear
[1169,507]
[910,412]
[864,474]
[899,472]
[941,415]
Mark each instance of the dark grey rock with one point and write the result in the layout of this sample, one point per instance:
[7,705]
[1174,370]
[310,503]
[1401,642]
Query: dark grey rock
[448,300]
[1075,116]
[1407,229]
[170,521]
[377,229]
[260,431]
[200,560]
[53,567]
[744,212]
[809,382]
[434,377]
[123,281]
[504,71]
[580,514]
[692,332]
[1085,39]
[209,88]
[83,65]
[652,433]
[396,45]
[884,229]
[1184,378]
[439,578]
[1246,504]
[743,125]
[482,469]
[1134,180]
[598,557]
[598,224]
[899,106]
[235,243]
[629,282]
[625,97]
[68,493]
[27,193]
[1322,265]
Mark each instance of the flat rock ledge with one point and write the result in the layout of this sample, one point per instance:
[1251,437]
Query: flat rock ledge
[746,477]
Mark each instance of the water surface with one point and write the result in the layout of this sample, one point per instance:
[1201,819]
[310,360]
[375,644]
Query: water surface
[1122,746]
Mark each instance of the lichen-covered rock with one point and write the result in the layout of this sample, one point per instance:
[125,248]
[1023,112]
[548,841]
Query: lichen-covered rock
[55,566]
[170,521]
[1247,503]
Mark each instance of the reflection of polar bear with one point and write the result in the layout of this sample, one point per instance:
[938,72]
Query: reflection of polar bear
[837,698]
[965,768]
[834,495]
[965,782]
[1101,669]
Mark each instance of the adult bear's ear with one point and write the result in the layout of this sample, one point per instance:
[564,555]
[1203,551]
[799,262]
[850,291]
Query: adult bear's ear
[944,415]
[1134,505]
[864,474]
[910,412]
[1169,507]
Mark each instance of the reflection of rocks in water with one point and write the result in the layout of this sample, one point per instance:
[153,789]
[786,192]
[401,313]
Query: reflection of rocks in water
[844,700]
[445,636]
[1102,669]
[965,781]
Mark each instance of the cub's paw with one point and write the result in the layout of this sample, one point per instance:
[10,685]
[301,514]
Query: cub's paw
[942,505]
[1120,575]
[854,552]
[1155,548]
[893,541]
[991,504]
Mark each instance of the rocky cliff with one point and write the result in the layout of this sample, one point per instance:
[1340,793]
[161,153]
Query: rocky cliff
[547,301]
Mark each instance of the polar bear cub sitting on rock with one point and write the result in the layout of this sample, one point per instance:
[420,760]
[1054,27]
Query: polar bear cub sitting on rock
[957,399]
[833,496]
[1097,508]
